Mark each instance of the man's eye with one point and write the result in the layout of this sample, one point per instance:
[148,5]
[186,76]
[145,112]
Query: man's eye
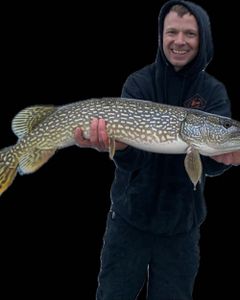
[171,32]
[191,34]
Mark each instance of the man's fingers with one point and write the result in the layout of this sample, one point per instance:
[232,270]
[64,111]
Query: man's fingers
[98,137]
[79,138]
[102,135]
[94,132]
[232,158]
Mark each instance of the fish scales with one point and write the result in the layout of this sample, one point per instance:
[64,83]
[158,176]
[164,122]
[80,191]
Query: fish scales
[125,119]
[150,126]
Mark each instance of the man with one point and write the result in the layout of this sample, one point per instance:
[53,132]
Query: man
[154,222]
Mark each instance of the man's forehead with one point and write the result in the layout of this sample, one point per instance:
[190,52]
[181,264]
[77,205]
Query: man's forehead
[173,19]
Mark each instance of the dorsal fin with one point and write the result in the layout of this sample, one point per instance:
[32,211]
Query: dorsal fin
[28,118]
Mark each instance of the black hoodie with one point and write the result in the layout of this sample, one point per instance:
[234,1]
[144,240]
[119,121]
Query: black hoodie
[152,191]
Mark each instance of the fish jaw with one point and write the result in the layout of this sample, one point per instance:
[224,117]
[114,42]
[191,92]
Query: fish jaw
[210,150]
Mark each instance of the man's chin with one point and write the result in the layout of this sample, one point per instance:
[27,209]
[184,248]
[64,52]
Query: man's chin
[178,66]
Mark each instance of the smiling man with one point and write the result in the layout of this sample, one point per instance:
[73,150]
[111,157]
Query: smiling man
[180,37]
[153,226]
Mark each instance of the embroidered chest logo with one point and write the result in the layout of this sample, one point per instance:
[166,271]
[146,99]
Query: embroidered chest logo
[196,102]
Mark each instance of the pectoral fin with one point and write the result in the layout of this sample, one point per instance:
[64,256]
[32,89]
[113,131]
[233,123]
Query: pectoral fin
[112,147]
[193,166]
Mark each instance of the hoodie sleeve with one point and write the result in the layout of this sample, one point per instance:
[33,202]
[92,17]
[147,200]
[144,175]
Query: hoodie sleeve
[130,158]
[219,104]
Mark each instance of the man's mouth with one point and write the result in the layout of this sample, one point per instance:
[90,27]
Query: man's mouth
[180,52]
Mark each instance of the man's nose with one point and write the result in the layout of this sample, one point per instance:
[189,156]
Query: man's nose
[180,38]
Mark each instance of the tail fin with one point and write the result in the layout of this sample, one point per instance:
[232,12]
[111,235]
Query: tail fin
[8,168]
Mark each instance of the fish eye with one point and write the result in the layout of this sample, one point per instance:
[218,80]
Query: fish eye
[227,124]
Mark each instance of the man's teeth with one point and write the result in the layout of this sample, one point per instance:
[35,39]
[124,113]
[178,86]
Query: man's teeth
[179,51]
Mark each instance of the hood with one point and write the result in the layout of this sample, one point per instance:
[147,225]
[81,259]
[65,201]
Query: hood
[205,53]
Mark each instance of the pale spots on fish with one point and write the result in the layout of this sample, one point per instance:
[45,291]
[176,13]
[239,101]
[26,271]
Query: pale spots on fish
[146,125]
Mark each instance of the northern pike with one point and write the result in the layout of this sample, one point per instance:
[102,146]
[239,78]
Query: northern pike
[146,125]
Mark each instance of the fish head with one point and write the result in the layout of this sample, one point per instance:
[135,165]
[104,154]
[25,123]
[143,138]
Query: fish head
[211,134]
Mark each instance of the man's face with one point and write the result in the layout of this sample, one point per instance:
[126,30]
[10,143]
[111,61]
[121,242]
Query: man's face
[180,39]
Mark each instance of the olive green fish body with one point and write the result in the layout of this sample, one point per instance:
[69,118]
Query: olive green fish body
[150,126]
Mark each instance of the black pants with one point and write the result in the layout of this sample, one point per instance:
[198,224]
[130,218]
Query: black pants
[128,255]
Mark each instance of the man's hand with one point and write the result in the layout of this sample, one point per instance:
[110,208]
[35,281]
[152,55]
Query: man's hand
[98,137]
[232,158]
